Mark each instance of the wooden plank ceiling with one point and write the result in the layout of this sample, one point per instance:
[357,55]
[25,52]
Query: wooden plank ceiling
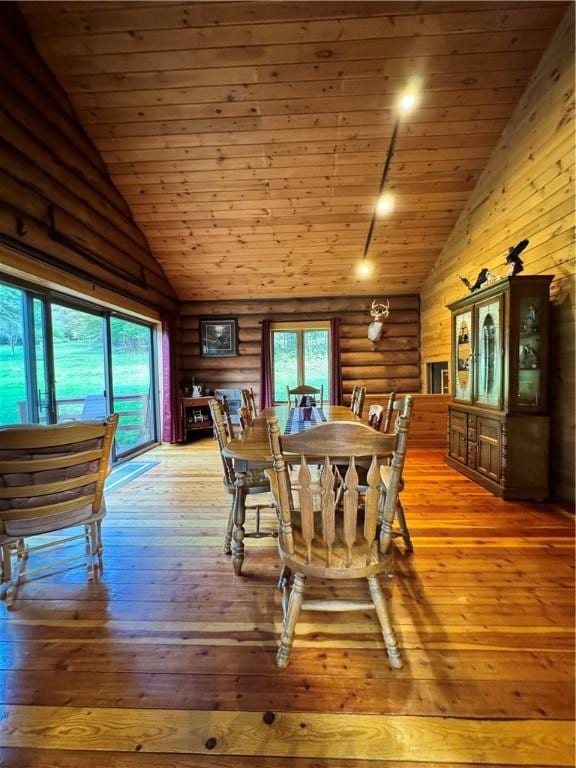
[249,138]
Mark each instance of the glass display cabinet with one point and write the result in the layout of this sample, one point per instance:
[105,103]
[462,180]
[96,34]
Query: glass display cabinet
[498,419]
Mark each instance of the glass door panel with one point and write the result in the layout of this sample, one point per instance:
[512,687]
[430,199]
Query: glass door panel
[79,364]
[132,383]
[529,352]
[489,353]
[463,357]
[15,386]
[317,360]
[285,359]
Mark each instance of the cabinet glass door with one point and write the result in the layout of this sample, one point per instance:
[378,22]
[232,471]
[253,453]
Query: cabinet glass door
[489,353]
[463,356]
[529,352]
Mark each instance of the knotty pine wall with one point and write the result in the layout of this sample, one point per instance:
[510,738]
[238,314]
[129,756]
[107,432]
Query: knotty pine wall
[45,157]
[526,191]
[393,363]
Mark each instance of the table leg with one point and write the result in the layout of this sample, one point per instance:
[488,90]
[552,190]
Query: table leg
[238,532]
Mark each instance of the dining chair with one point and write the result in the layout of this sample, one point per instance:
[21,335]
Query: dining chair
[256,481]
[245,417]
[357,400]
[304,391]
[227,417]
[249,401]
[375,416]
[392,408]
[52,478]
[320,539]
[400,408]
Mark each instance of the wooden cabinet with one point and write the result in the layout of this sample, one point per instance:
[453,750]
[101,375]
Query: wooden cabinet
[498,426]
[195,416]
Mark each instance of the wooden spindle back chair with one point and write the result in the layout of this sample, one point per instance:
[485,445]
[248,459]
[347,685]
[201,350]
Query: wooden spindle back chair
[227,416]
[52,478]
[256,481]
[399,411]
[323,539]
[357,400]
[296,394]
[392,408]
[375,416]
[249,401]
[245,417]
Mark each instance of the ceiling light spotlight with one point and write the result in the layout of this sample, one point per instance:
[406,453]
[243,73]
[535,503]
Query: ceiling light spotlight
[408,101]
[385,204]
[364,268]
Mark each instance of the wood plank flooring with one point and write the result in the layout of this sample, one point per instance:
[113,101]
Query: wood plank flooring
[169,660]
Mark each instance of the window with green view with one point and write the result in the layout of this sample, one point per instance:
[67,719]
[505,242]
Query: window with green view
[300,356]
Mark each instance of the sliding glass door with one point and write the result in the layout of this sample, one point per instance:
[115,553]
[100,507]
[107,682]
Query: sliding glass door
[61,361]
[132,367]
[15,382]
[79,364]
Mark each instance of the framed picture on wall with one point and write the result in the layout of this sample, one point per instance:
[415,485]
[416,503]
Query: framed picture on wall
[219,337]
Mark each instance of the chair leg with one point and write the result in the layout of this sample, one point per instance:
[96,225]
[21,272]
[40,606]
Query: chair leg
[88,551]
[99,546]
[408,547]
[284,588]
[229,527]
[384,618]
[12,572]
[289,623]
[8,586]
[96,547]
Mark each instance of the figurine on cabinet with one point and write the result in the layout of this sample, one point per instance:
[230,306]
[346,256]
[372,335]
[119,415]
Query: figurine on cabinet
[528,357]
[483,276]
[530,320]
[516,265]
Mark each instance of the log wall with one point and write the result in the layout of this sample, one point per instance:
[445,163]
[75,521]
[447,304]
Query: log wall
[526,191]
[46,159]
[393,363]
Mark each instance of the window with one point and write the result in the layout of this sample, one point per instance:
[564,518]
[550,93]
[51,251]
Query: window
[300,355]
[63,360]
[438,378]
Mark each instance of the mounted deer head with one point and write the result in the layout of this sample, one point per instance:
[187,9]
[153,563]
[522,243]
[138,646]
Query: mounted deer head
[379,313]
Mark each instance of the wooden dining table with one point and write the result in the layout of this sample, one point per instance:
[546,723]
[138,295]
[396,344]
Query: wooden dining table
[250,451]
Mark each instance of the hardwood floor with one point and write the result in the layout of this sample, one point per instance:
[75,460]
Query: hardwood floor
[169,660]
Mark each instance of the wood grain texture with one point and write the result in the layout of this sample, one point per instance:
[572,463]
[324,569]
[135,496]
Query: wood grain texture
[47,159]
[525,191]
[168,660]
[234,131]
[391,363]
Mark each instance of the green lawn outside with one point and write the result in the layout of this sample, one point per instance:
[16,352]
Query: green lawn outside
[79,372]
[316,362]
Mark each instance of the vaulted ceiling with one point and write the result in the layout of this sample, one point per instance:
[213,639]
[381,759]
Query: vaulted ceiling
[249,138]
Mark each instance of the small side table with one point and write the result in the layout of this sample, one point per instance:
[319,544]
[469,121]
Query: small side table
[195,415]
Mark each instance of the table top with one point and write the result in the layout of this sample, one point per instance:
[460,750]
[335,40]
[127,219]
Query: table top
[252,444]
